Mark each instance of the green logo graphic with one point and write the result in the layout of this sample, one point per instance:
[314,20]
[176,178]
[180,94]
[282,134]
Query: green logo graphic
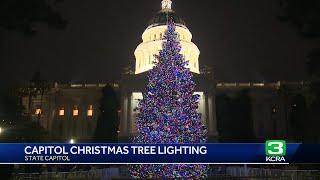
[276,148]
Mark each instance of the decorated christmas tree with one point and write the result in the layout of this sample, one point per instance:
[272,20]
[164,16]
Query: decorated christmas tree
[168,111]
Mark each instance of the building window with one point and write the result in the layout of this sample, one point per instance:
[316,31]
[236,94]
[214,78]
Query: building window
[160,35]
[155,37]
[61,112]
[38,111]
[90,111]
[139,63]
[75,111]
[274,110]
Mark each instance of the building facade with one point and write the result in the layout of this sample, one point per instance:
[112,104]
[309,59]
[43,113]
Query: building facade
[70,111]
[132,85]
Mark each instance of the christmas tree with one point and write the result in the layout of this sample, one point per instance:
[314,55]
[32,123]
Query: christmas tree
[168,111]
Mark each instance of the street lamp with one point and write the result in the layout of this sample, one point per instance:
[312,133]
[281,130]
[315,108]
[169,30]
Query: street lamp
[72,141]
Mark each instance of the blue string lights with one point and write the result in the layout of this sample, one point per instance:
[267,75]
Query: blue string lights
[168,111]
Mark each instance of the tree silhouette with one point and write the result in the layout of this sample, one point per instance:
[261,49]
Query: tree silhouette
[304,16]
[22,16]
[108,120]
[17,125]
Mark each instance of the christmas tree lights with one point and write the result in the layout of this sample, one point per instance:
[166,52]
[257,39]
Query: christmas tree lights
[168,111]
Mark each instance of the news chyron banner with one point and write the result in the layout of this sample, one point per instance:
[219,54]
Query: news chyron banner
[270,152]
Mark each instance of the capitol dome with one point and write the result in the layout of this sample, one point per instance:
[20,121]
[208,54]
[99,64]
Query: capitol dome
[161,18]
[152,40]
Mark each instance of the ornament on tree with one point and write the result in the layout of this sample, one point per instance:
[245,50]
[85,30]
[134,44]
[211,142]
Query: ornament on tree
[168,111]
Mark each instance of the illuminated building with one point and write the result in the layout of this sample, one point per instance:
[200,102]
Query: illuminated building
[133,84]
[70,111]
[152,39]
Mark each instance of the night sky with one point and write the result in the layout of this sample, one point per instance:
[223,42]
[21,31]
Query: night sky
[241,39]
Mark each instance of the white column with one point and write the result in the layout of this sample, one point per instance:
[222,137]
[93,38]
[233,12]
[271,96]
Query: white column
[206,115]
[213,113]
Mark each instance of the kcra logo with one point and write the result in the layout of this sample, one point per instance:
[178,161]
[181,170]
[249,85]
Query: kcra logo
[276,151]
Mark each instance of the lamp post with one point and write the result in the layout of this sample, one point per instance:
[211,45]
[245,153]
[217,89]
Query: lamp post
[72,141]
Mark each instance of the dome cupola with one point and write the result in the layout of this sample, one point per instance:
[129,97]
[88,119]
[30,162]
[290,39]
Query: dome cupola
[164,14]
[153,37]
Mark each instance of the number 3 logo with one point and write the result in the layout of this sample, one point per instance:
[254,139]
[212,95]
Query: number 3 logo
[275,148]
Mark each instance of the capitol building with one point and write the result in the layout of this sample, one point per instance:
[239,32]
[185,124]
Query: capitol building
[71,110]
[152,39]
[132,85]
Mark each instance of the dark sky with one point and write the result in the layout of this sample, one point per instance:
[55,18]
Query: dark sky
[241,39]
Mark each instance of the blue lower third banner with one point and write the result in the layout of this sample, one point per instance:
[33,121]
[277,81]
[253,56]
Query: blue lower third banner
[272,152]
